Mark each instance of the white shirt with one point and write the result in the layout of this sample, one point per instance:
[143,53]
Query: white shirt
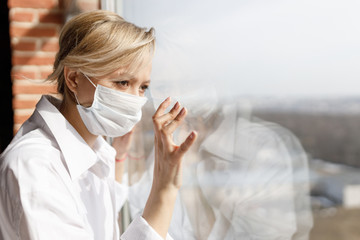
[54,186]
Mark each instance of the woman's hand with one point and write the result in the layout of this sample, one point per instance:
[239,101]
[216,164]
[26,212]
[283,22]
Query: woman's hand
[167,168]
[122,146]
[168,156]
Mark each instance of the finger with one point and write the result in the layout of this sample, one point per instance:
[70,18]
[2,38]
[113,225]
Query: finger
[162,107]
[170,128]
[124,138]
[166,131]
[127,135]
[168,117]
[158,145]
[184,147]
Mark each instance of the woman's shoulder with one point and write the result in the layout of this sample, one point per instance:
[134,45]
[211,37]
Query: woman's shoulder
[31,166]
[36,147]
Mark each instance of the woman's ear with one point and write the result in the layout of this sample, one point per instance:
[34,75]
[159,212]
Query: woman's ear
[71,79]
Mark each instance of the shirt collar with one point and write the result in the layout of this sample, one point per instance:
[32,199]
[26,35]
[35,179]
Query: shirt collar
[78,155]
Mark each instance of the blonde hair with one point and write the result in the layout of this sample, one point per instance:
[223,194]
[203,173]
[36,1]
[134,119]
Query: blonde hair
[98,43]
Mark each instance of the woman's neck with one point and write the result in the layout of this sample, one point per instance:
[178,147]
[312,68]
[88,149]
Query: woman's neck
[69,110]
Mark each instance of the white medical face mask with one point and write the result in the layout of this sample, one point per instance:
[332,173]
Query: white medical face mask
[113,113]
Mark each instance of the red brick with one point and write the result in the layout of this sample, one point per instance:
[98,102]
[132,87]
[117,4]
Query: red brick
[20,119]
[24,46]
[44,75]
[33,89]
[85,5]
[33,3]
[33,31]
[16,128]
[23,104]
[50,46]
[23,75]
[21,16]
[51,18]
[35,60]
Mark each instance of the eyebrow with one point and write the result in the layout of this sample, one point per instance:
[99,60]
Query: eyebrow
[121,75]
[127,76]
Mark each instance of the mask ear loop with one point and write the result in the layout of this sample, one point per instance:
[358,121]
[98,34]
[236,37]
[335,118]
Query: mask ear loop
[77,100]
[89,80]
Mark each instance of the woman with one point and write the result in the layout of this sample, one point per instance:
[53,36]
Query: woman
[57,176]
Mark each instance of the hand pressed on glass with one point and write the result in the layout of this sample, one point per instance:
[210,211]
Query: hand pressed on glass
[167,168]
[168,155]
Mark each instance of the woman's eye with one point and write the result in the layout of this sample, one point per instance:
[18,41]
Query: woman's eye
[144,88]
[122,83]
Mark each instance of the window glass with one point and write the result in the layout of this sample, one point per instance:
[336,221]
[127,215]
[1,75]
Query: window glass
[272,89]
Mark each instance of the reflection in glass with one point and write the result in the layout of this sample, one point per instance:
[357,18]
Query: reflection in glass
[244,179]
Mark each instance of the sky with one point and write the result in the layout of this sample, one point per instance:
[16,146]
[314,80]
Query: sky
[302,48]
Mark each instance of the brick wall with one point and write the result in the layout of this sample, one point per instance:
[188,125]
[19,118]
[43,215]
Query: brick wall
[34,31]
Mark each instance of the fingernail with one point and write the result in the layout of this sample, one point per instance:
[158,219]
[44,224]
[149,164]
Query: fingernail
[177,105]
[192,135]
[168,98]
[182,111]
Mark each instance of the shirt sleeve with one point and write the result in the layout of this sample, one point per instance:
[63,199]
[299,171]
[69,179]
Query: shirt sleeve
[139,229]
